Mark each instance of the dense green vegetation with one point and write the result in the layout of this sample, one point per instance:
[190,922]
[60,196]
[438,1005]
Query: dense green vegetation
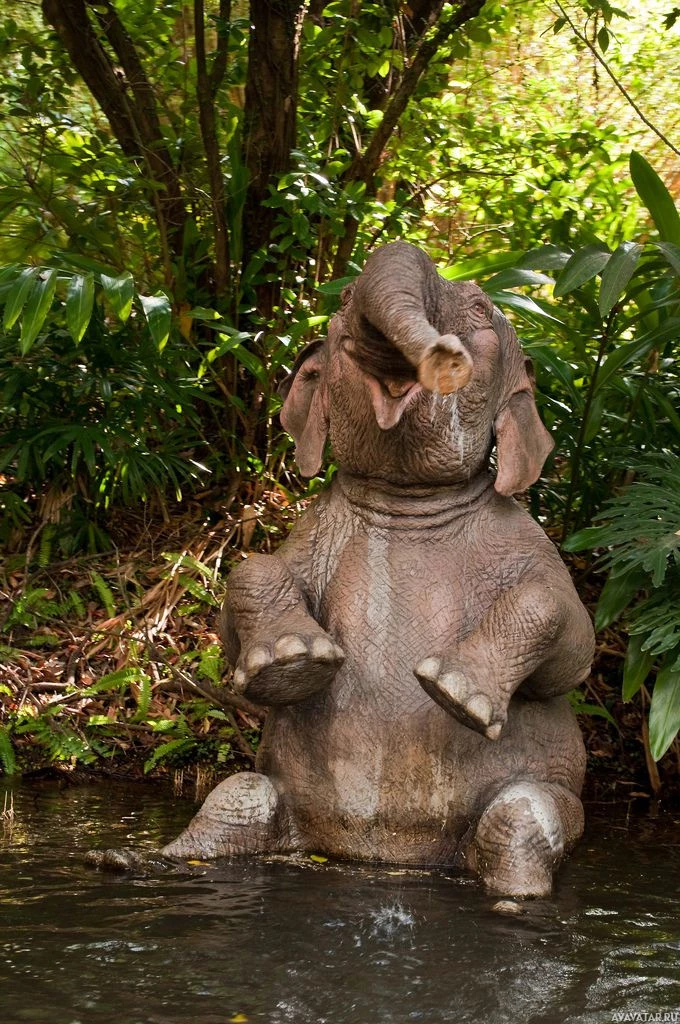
[183,192]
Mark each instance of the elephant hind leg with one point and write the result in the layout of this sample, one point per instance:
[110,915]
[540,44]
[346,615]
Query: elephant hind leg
[243,814]
[522,836]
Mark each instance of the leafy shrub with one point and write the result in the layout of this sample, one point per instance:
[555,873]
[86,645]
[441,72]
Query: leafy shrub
[640,532]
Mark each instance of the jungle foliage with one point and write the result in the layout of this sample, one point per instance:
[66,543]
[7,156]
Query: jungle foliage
[184,190]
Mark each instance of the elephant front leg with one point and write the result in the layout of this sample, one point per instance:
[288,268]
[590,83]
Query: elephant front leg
[522,836]
[531,635]
[281,654]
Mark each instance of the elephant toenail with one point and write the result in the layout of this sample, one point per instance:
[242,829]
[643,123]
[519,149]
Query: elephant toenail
[429,668]
[288,647]
[323,649]
[239,680]
[257,659]
[494,731]
[479,707]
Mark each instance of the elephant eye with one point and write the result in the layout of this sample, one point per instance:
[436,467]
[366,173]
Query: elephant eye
[480,309]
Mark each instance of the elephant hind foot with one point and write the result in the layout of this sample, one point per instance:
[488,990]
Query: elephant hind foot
[522,836]
[243,814]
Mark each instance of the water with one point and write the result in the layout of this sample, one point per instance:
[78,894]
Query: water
[319,943]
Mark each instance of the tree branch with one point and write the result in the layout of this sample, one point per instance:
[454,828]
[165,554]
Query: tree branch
[206,116]
[219,68]
[619,85]
[365,165]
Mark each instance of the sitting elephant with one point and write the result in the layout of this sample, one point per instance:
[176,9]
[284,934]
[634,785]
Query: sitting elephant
[415,635]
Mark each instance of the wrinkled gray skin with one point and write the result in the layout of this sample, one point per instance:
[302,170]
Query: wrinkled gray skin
[416,633]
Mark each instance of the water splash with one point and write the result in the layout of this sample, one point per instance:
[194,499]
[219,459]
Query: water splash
[390,920]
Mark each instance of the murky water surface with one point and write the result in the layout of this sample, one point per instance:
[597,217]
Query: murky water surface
[320,944]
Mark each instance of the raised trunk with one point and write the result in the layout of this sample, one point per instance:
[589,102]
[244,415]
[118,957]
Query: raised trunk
[396,313]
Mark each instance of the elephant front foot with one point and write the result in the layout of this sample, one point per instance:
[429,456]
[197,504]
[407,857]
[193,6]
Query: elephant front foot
[290,667]
[522,836]
[465,695]
[244,814]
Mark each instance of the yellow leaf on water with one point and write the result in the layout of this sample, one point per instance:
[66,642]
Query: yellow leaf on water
[198,864]
[318,860]
[240,1018]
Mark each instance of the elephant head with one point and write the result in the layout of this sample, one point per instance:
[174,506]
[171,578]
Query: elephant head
[415,380]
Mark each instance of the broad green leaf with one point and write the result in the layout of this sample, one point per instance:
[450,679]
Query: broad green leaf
[335,287]
[672,254]
[617,274]
[514,277]
[581,267]
[635,350]
[36,308]
[159,317]
[481,266]
[545,357]
[119,291]
[594,418]
[616,595]
[79,304]
[202,313]
[523,303]
[664,712]
[591,537]
[636,667]
[656,198]
[8,276]
[18,295]
[251,362]
[545,257]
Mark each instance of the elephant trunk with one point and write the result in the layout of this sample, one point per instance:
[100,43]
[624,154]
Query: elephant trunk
[396,304]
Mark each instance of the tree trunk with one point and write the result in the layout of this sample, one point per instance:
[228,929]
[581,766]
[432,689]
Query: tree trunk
[269,120]
[128,101]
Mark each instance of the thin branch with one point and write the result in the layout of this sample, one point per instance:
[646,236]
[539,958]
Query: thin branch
[219,68]
[365,165]
[206,117]
[619,85]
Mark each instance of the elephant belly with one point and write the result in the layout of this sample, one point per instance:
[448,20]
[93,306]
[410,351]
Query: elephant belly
[373,768]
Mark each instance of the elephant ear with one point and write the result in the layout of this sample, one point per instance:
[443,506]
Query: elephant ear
[304,413]
[522,442]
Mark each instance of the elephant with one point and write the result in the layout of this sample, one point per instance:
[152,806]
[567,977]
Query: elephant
[415,636]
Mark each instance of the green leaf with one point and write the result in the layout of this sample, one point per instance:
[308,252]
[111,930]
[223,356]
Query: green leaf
[545,357]
[481,266]
[636,667]
[616,595]
[119,291]
[7,758]
[664,712]
[617,274]
[18,295]
[591,537]
[36,308]
[202,313]
[335,287]
[635,350]
[79,304]
[159,317]
[523,303]
[656,198]
[171,747]
[545,257]
[581,267]
[672,254]
[514,277]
